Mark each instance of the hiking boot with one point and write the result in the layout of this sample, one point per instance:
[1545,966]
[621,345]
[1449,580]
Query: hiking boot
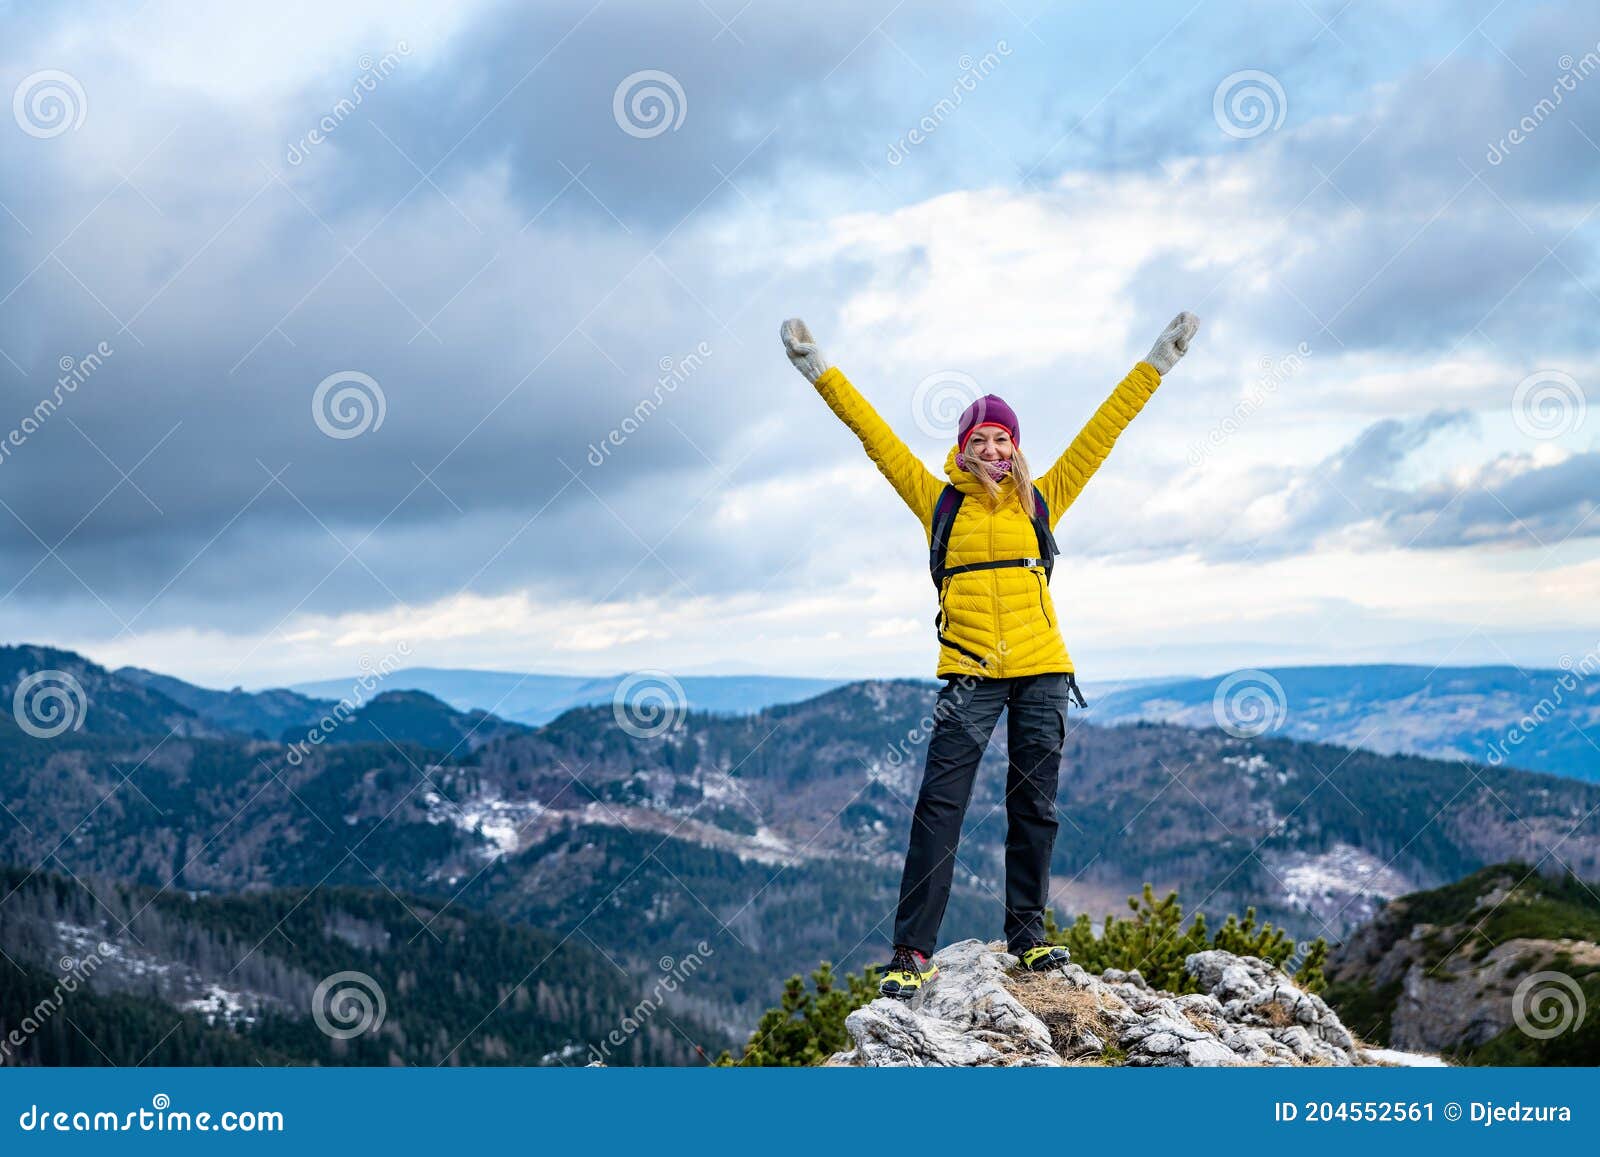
[907,973]
[1040,956]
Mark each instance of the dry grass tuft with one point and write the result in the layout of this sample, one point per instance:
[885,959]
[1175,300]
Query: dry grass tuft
[1278,1014]
[1066,1011]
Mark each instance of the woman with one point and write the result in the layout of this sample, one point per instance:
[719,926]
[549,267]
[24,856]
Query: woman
[1000,641]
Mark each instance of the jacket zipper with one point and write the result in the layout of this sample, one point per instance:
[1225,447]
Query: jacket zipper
[1040,577]
[994,588]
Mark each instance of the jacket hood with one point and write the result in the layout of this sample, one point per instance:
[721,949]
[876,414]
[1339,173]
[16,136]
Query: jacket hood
[968,483]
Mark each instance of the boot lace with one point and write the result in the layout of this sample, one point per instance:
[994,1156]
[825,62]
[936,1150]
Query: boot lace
[905,960]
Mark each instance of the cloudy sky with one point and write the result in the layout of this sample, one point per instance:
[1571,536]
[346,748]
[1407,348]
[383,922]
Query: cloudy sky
[325,329]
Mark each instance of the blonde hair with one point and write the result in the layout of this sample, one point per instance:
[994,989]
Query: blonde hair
[1020,475]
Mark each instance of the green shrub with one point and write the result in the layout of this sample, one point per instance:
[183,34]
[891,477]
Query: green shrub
[1154,941]
[807,1027]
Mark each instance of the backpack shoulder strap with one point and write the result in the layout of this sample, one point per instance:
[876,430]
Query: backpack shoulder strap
[1041,530]
[944,516]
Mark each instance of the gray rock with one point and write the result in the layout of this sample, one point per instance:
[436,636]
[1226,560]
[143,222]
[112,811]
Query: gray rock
[1253,992]
[888,1034]
[971,995]
[1211,1053]
[1118,976]
[966,1017]
[1249,1013]
[1089,1045]
[1177,1026]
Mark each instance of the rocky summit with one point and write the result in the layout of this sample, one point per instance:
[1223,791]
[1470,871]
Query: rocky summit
[983,1010]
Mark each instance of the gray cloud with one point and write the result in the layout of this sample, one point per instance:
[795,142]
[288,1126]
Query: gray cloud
[510,319]
[1397,245]
[1540,506]
[1510,500]
[513,317]
[774,97]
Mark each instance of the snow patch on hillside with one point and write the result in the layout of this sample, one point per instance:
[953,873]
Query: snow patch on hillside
[223,1004]
[1343,886]
[500,822]
[113,967]
[1257,767]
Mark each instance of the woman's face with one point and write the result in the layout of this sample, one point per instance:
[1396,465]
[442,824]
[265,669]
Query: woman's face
[990,444]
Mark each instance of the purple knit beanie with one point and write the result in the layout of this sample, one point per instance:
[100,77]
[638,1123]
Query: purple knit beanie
[989,410]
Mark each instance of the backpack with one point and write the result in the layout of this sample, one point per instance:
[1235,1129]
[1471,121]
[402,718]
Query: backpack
[944,517]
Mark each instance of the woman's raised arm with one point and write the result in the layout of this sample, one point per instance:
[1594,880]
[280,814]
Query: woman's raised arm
[913,481]
[1066,478]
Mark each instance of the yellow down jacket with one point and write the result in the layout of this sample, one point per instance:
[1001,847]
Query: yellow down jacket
[1005,616]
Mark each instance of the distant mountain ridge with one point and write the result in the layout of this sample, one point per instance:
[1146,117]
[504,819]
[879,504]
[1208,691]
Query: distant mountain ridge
[535,699]
[264,714]
[49,688]
[1541,720]
[1538,720]
[131,701]
[416,717]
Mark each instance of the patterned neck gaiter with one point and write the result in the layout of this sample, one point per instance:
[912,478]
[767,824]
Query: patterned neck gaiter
[998,469]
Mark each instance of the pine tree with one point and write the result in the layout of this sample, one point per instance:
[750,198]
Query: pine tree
[1154,941]
[807,1028]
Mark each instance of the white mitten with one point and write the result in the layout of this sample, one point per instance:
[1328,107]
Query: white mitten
[1173,342]
[802,349]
